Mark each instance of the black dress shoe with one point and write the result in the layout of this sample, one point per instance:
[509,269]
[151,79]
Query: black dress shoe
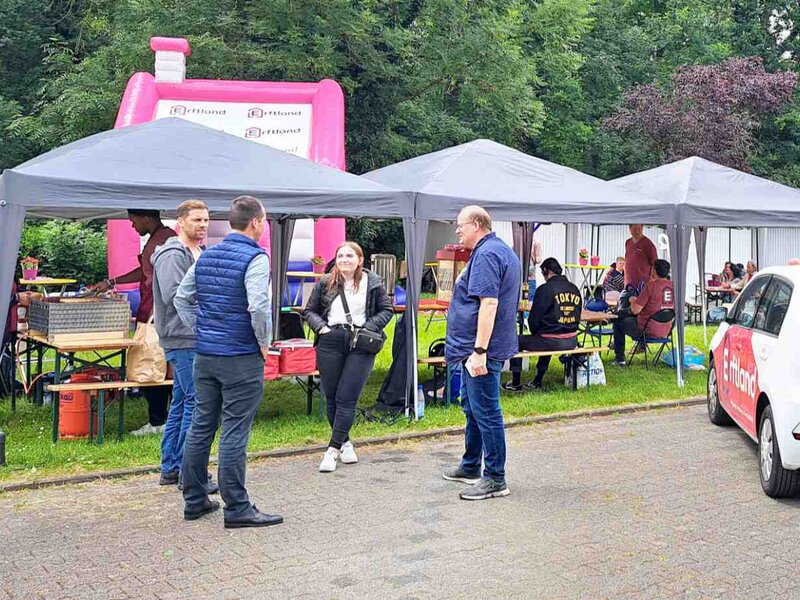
[169,478]
[209,507]
[257,519]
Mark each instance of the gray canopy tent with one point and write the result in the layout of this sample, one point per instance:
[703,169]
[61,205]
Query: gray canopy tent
[705,194]
[159,164]
[514,186]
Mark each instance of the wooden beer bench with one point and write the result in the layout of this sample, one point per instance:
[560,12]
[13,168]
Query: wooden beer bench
[581,354]
[101,389]
[97,402]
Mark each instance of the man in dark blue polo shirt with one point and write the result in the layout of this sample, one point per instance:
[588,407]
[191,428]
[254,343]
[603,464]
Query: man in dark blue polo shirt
[481,335]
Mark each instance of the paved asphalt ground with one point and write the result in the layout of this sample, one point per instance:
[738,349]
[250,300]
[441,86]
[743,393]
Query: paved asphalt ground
[656,504]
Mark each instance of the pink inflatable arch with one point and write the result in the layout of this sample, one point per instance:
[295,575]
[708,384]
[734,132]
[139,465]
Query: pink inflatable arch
[209,102]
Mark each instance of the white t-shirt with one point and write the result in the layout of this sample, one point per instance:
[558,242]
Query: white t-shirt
[356,300]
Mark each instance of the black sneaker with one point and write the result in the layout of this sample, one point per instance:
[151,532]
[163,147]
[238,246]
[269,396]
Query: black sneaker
[459,474]
[485,488]
[168,478]
[534,385]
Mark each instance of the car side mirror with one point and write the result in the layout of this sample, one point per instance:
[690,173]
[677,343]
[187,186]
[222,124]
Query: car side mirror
[718,314]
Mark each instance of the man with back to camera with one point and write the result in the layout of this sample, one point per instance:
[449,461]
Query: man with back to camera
[146,222]
[656,295]
[171,261]
[226,298]
[553,322]
[481,335]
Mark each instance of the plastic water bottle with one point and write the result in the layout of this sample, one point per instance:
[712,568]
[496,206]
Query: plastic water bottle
[419,405]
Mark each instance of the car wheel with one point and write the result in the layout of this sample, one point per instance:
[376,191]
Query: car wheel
[776,481]
[716,414]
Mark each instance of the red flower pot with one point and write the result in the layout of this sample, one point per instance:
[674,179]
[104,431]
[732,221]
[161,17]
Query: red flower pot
[595,261]
[30,274]
[318,268]
[583,261]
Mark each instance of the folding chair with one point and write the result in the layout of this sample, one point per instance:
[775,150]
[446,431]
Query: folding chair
[665,315]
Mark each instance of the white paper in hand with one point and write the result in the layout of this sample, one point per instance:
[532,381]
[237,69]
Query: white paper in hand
[470,368]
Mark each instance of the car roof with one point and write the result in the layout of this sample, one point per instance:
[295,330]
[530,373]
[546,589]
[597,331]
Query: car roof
[792,273]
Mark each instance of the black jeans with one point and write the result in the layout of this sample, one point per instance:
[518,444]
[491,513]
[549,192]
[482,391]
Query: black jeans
[230,388]
[157,404]
[537,343]
[622,327]
[343,373]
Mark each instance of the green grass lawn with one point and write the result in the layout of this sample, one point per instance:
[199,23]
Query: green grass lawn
[282,422]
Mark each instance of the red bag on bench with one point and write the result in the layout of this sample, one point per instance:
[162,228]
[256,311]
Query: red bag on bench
[272,365]
[298,356]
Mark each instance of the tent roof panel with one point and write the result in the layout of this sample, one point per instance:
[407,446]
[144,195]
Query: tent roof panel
[513,186]
[161,163]
[706,193]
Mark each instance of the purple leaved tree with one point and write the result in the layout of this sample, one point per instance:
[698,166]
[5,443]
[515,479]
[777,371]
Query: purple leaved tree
[711,111]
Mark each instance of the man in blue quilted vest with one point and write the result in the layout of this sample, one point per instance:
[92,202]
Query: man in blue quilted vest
[225,297]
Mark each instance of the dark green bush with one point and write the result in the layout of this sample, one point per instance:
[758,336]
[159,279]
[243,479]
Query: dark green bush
[67,249]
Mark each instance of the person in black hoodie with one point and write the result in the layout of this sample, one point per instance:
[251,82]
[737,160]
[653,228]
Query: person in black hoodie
[553,322]
[344,370]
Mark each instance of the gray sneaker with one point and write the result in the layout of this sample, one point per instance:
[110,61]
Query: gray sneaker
[459,474]
[485,488]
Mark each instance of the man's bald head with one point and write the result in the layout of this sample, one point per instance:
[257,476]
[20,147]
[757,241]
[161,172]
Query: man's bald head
[478,215]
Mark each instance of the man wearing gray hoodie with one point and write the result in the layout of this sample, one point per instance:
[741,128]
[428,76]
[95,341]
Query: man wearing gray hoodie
[170,263]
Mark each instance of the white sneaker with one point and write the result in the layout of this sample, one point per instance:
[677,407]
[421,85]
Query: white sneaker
[148,429]
[328,464]
[348,454]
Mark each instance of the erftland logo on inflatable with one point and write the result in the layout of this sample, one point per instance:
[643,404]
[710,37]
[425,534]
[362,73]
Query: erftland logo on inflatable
[179,111]
[742,379]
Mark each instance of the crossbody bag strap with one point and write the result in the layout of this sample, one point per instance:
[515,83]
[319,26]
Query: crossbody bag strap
[345,306]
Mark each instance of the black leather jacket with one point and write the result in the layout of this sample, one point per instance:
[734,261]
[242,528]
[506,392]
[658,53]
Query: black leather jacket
[379,306]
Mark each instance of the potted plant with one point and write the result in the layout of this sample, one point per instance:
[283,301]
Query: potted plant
[595,261]
[583,257]
[30,267]
[318,264]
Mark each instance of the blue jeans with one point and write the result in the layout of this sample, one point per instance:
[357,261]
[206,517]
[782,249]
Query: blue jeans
[485,434]
[180,411]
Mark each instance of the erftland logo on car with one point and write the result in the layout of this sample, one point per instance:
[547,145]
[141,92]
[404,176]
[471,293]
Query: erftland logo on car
[741,378]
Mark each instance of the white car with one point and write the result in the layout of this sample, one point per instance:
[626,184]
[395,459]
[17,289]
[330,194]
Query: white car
[754,375]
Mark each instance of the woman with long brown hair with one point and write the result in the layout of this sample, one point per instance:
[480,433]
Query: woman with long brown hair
[347,299]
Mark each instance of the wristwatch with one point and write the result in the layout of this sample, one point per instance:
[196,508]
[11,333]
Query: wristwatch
[479,350]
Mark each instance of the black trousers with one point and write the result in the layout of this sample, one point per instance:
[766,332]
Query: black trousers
[343,373]
[157,403]
[622,327]
[537,343]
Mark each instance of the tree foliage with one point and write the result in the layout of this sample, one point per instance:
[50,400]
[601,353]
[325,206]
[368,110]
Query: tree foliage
[421,75]
[67,249]
[711,111]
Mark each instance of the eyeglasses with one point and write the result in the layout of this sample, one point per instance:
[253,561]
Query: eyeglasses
[460,226]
